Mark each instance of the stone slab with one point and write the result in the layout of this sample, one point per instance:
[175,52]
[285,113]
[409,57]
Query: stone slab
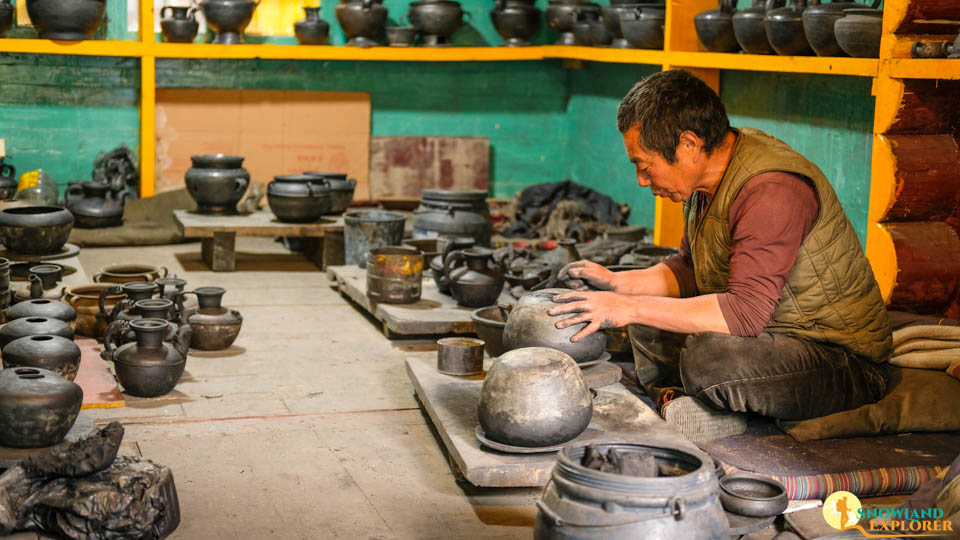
[451,403]
[434,314]
[259,223]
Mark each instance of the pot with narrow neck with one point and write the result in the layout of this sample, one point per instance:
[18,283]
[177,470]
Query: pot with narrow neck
[447,245]
[715,28]
[93,206]
[149,366]
[311,30]
[179,24]
[479,282]
[215,327]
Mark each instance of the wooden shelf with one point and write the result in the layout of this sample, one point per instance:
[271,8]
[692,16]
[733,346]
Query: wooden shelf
[85,48]
[911,68]
[329,52]
[863,67]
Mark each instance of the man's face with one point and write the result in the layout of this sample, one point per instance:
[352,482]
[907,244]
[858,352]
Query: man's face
[671,180]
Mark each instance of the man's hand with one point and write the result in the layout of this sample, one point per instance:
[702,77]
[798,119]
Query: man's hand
[601,309]
[590,273]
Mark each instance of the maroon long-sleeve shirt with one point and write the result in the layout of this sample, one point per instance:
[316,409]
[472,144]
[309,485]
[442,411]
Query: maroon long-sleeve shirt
[769,219]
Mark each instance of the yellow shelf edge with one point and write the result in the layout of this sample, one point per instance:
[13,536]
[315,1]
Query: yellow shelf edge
[599,54]
[330,52]
[914,68]
[862,67]
[83,48]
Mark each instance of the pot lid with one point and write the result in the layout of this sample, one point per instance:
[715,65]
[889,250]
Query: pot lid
[454,195]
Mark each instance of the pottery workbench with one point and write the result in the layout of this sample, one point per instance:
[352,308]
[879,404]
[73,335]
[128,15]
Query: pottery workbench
[322,240]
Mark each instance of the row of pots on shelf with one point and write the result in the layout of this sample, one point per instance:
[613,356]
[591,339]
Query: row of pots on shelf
[843,28]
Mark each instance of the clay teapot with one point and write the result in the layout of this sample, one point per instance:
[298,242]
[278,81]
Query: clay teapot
[749,30]
[55,353]
[181,25]
[534,397]
[37,407]
[446,246]
[479,282]
[149,366]
[125,309]
[41,283]
[715,28]
[215,327]
[530,325]
[818,25]
[784,28]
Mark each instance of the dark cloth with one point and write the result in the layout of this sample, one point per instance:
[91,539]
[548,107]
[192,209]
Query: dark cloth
[776,375]
[769,219]
[146,222]
[540,200]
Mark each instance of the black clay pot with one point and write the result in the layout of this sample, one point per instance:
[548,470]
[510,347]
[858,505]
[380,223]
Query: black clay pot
[55,353]
[643,27]
[610,15]
[446,247]
[6,17]
[298,198]
[362,21]
[215,327]
[530,325]
[818,26]
[401,36]
[228,18]
[515,22]
[37,407]
[179,24]
[94,207]
[42,307]
[749,30]
[8,173]
[148,367]
[217,182]
[858,32]
[489,322]
[599,35]
[454,213]
[715,28]
[312,30]
[534,397]
[436,21]
[33,326]
[562,16]
[784,28]
[341,189]
[479,282]
[35,230]
[67,20]
[752,496]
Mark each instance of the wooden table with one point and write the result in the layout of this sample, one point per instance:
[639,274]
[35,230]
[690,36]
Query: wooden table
[323,240]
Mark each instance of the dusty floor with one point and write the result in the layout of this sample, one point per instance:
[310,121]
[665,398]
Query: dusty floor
[307,427]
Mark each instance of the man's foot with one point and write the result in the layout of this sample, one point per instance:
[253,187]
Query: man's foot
[700,422]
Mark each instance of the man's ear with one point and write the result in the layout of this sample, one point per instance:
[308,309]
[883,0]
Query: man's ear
[690,146]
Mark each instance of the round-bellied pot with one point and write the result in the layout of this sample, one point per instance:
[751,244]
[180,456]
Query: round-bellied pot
[6,16]
[715,28]
[477,283]
[818,25]
[35,230]
[749,30]
[37,407]
[599,35]
[33,326]
[489,322]
[753,496]
[67,20]
[784,28]
[362,21]
[95,208]
[298,198]
[530,325]
[85,299]
[128,273]
[400,36]
[515,22]
[611,18]
[228,18]
[436,21]
[534,397]
[858,32]
[215,327]
[42,307]
[312,30]
[149,366]
[179,24]
[55,353]
[217,182]
[453,213]
[643,27]
[341,189]
[447,245]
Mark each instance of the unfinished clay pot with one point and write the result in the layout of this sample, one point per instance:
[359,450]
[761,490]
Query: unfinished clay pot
[86,300]
[127,273]
[534,397]
[531,325]
[37,407]
[55,353]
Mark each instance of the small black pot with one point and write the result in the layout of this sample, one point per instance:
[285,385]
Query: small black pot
[858,32]
[436,21]
[55,353]
[6,17]
[67,20]
[228,18]
[35,230]
[643,27]
[37,407]
[96,207]
[784,28]
[33,326]
[181,26]
[312,30]
[401,36]
[715,28]
[362,21]
[341,189]
[217,182]
[753,496]
[515,22]
[749,30]
[298,198]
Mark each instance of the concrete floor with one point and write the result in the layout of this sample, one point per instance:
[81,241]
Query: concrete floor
[307,427]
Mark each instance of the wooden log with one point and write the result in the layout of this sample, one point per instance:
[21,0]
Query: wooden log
[929,17]
[925,258]
[927,176]
[928,106]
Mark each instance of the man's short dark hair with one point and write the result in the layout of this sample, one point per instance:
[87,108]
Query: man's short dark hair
[666,104]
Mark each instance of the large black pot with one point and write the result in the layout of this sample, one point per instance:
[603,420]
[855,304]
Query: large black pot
[530,325]
[6,16]
[55,353]
[67,20]
[643,27]
[453,213]
[312,30]
[715,28]
[228,18]
[148,367]
[341,189]
[37,407]
[818,26]
[33,326]
[362,21]
[181,26]
[749,30]
[42,307]
[858,32]
[35,230]
[436,21]
[95,208]
[784,28]
[611,19]
[217,182]
[298,198]
[515,22]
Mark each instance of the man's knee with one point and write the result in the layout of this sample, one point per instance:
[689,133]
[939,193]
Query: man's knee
[707,360]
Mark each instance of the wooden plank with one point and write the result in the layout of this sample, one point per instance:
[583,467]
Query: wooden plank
[451,403]
[260,223]
[927,177]
[404,166]
[928,266]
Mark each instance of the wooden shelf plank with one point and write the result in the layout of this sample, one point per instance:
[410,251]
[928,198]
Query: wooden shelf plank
[90,47]
[863,67]
[914,68]
[328,52]
[599,54]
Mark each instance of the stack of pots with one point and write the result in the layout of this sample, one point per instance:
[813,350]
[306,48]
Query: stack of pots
[362,21]
[39,334]
[453,213]
[435,21]
[564,15]
[515,21]
[4,283]
[341,189]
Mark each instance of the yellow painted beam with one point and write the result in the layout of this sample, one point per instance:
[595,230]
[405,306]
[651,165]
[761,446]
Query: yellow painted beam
[327,52]
[921,68]
[148,133]
[882,255]
[80,48]
[596,54]
[864,67]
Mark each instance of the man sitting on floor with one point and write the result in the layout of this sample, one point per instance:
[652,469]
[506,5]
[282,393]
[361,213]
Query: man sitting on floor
[770,306]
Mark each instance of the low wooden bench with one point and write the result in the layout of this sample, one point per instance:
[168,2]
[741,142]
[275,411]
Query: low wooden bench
[323,240]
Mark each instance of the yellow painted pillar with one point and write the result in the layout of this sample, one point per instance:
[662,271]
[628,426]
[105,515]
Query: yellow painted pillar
[148,102]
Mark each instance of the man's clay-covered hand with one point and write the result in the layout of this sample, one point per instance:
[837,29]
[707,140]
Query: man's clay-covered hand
[590,273]
[600,309]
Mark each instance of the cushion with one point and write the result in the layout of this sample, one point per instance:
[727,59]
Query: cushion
[916,400]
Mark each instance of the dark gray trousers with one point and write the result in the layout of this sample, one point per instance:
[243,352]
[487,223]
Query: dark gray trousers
[776,375]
